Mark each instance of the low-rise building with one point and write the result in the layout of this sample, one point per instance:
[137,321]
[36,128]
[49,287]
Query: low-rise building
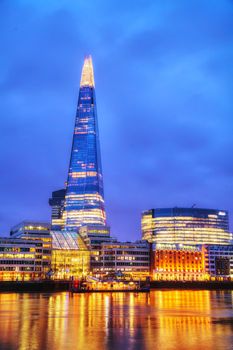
[23,259]
[219,261]
[128,259]
[177,262]
[70,256]
[39,232]
[30,228]
[94,236]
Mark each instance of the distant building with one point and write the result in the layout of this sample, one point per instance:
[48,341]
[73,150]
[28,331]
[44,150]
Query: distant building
[177,262]
[128,259]
[219,261]
[57,205]
[186,225]
[84,198]
[70,256]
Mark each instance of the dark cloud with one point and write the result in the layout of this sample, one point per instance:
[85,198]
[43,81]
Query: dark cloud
[164,93]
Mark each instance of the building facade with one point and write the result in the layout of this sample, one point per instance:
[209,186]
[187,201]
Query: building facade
[39,233]
[94,236]
[57,204]
[84,198]
[70,256]
[23,259]
[186,225]
[219,261]
[177,262]
[30,228]
[130,260]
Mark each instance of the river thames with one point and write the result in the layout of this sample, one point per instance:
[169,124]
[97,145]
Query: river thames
[181,320]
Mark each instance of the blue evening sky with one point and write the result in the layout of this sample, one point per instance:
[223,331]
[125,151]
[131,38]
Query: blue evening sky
[164,86]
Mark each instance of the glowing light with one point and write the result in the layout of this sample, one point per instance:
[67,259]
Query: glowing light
[87,78]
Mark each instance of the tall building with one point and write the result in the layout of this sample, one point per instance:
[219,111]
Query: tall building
[186,225]
[57,205]
[84,199]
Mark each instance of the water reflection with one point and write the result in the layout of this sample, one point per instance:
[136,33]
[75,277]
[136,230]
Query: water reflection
[159,320]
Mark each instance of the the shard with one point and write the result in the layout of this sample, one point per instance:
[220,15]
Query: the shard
[84,197]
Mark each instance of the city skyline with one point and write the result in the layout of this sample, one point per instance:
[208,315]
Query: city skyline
[164,108]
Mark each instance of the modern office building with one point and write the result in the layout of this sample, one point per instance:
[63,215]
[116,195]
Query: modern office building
[186,225]
[219,261]
[37,233]
[94,236]
[84,198]
[33,252]
[30,228]
[23,259]
[70,256]
[130,260]
[57,204]
[177,262]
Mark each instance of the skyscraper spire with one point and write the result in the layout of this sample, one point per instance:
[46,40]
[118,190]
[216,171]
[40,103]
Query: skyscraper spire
[87,77]
[84,199]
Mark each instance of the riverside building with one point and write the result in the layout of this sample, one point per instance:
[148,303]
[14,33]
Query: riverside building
[130,260]
[84,196]
[79,210]
[178,262]
[34,239]
[35,231]
[186,225]
[25,257]
[70,256]
[219,261]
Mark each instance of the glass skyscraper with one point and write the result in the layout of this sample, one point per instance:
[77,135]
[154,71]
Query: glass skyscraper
[84,198]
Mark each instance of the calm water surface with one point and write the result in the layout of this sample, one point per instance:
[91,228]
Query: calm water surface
[181,320]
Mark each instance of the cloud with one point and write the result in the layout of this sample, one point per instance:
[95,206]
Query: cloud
[164,96]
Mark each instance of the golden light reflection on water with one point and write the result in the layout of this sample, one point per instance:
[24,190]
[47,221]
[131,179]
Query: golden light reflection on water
[159,320]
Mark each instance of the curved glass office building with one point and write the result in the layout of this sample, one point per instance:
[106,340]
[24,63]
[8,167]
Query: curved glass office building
[186,226]
[84,198]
